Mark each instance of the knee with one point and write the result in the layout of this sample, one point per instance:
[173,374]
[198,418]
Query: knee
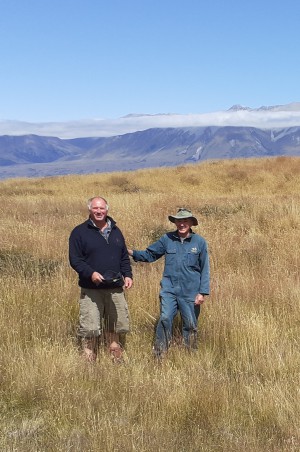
[190,325]
[165,319]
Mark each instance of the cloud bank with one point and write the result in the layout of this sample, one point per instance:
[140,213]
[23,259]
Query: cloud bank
[263,118]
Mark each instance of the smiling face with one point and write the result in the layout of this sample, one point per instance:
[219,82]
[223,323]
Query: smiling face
[184,226]
[98,211]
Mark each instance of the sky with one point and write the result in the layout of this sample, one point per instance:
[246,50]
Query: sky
[93,60]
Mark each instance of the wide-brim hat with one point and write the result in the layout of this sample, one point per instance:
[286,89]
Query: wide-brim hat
[183,213]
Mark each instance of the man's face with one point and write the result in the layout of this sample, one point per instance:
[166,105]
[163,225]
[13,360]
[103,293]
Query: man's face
[98,210]
[184,226]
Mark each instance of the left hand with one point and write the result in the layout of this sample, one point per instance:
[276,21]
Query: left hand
[199,299]
[127,282]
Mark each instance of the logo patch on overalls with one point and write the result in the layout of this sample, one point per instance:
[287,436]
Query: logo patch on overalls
[193,250]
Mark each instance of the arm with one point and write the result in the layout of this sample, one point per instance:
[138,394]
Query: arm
[205,275]
[150,254]
[76,256]
[126,266]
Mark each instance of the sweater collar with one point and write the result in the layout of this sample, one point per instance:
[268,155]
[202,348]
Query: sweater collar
[177,236]
[110,223]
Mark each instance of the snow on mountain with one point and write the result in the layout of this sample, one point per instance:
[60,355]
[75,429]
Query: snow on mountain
[279,116]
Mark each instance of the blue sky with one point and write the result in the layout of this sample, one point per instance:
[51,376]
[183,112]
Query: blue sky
[65,60]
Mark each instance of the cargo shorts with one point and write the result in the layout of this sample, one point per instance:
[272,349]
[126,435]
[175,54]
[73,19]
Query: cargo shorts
[102,309]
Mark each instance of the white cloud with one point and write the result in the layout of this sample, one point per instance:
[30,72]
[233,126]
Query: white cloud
[264,118]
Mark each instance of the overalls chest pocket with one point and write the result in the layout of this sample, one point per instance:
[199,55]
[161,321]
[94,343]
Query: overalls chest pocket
[193,259]
[170,256]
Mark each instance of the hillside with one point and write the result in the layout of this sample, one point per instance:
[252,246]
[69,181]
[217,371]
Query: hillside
[35,156]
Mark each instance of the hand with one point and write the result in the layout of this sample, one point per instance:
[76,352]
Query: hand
[199,299]
[130,252]
[127,282]
[97,278]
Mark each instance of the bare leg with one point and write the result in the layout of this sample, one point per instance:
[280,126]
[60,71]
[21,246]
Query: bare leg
[114,348]
[90,348]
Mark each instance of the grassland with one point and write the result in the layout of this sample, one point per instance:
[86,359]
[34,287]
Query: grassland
[238,392]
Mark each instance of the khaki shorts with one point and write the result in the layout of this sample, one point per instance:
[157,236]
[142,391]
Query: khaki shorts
[103,308]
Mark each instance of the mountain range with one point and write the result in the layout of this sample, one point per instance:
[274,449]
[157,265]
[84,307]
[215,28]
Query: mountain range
[38,156]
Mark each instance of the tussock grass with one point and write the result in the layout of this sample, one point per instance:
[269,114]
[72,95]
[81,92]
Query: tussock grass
[238,392]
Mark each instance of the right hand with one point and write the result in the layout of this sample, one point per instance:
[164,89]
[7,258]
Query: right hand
[130,252]
[97,278]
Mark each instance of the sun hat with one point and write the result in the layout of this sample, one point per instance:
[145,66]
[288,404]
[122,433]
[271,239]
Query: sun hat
[183,213]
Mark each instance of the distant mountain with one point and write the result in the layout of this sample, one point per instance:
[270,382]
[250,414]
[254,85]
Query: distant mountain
[294,106]
[15,150]
[278,116]
[37,156]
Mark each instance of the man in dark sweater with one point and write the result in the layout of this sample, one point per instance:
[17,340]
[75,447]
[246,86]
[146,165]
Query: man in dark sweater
[98,253]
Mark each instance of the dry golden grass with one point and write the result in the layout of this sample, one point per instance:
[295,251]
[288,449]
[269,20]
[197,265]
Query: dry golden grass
[238,392]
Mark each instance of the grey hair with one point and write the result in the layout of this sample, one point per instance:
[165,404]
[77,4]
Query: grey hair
[89,203]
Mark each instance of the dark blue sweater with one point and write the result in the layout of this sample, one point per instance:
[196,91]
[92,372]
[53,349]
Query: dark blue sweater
[89,252]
